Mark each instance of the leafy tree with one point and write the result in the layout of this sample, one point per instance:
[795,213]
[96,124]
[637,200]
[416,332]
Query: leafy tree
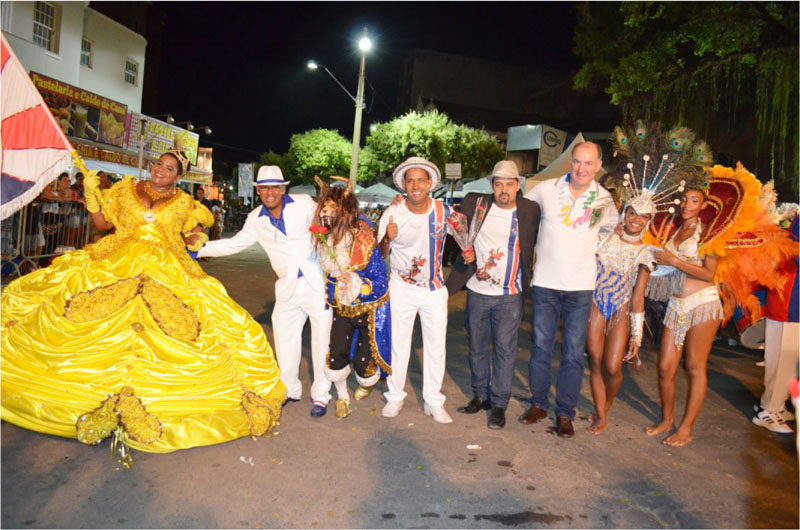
[274,159]
[727,69]
[322,152]
[431,135]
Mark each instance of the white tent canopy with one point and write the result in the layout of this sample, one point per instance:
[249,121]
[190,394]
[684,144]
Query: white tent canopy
[377,193]
[308,189]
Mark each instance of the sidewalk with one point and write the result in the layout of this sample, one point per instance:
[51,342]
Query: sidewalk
[374,472]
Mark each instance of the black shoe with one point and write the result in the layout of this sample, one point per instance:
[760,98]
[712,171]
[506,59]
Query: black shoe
[289,400]
[477,404]
[497,418]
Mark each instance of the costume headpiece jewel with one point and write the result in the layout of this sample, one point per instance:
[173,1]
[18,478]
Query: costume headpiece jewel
[657,168]
[184,162]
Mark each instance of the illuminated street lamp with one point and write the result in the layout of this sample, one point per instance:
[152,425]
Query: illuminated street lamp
[364,45]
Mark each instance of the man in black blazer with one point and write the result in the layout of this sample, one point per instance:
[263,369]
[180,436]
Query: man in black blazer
[495,271]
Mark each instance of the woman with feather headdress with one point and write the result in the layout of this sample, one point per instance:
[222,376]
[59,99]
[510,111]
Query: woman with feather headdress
[717,246]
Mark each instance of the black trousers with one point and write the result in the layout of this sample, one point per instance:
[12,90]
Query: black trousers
[343,329]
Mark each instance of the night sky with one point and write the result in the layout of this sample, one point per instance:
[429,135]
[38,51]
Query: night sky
[241,67]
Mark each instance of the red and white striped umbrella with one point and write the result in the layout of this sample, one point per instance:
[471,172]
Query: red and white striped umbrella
[34,148]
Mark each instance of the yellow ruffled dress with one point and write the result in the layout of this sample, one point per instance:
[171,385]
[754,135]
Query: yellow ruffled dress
[130,336]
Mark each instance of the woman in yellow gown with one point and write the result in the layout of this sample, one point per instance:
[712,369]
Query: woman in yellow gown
[129,337]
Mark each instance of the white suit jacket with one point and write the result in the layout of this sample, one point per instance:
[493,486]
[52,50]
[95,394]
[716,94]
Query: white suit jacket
[288,253]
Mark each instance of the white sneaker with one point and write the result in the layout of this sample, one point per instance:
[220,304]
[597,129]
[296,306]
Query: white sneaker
[392,409]
[438,413]
[772,421]
[784,412]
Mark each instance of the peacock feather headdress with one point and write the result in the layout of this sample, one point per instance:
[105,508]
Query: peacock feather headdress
[655,167]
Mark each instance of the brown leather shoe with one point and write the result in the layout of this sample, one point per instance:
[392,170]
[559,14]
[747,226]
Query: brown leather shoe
[564,427]
[533,415]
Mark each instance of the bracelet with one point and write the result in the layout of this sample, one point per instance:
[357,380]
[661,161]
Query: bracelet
[200,242]
[637,328]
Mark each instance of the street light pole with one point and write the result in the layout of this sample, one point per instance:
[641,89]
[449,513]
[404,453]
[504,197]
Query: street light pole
[364,45]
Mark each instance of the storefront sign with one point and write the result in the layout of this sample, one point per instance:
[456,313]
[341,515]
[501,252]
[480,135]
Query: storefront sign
[553,142]
[88,151]
[159,136]
[81,113]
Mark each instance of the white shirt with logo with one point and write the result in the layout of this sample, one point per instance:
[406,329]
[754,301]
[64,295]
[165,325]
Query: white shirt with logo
[569,230]
[497,254]
[416,252]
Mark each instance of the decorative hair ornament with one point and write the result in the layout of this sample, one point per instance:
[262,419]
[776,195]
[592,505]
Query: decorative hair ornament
[182,160]
[657,168]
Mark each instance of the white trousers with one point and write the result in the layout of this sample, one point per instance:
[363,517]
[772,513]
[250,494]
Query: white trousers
[408,301]
[288,318]
[780,362]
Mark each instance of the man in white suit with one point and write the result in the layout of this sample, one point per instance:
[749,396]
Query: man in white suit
[281,226]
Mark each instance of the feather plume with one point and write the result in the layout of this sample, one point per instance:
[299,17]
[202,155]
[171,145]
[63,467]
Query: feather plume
[620,141]
[680,139]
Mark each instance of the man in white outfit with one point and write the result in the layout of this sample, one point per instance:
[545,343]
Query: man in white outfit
[281,226]
[414,232]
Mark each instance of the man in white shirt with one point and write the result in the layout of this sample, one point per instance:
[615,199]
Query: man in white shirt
[575,209]
[495,274]
[413,232]
[281,226]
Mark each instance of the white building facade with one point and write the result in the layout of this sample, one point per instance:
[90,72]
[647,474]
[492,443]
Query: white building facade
[77,45]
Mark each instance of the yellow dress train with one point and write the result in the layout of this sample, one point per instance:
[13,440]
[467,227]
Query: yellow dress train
[133,316]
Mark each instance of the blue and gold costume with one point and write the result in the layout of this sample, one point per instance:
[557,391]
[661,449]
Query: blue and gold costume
[361,327]
[617,265]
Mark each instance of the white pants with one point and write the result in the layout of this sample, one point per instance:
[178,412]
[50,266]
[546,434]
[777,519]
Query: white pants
[408,300]
[288,318]
[780,362]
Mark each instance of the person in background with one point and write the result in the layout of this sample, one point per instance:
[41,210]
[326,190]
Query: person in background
[780,348]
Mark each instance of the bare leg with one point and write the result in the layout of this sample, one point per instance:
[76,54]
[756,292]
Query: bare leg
[668,360]
[595,342]
[698,347]
[616,346]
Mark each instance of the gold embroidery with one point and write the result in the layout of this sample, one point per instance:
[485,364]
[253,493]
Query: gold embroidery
[102,301]
[172,217]
[174,317]
[262,414]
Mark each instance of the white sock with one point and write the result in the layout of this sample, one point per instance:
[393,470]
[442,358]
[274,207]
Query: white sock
[341,389]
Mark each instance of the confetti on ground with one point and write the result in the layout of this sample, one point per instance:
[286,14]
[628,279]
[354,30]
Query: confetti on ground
[659,494]
[410,424]
[248,460]
[350,512]
[448,499]
[248,495]
[330,513]
[419,467]
[474,446]
[354,428]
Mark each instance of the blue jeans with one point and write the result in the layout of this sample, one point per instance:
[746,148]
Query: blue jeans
[496,318]
[548,306]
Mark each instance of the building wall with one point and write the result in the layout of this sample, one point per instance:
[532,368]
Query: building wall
[113,43]
[64,65]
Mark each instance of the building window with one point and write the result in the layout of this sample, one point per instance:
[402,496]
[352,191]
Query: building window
[46,22]
[87,52]
[131,72]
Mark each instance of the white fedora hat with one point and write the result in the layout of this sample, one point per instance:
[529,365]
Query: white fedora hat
[416,162]
[505,169]
[270,176]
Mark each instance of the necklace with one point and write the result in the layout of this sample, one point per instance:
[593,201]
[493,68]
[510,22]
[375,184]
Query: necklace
[631,239]
[156,195]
